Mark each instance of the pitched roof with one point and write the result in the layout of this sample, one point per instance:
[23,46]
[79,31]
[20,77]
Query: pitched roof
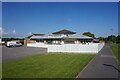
[79,36]
[56,36]
[35,35]
[46,36]
[38,34]
[64,31]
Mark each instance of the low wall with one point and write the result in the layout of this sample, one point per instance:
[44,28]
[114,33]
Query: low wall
[37,45]
[100,46]
[71,48]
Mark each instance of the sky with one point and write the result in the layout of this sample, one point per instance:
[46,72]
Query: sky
[20,19]
[60,0]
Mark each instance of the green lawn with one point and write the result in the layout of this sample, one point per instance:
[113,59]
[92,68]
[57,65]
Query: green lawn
[116,50]
[47,66]
[0,70]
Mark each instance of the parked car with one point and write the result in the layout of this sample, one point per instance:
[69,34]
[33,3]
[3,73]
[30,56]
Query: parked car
[96,41]
[13,44]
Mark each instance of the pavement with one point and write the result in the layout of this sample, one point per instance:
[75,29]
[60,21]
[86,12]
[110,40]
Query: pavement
[96,69]
[20,52]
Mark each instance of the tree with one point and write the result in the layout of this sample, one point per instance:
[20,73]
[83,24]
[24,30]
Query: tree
[101,38]
[111,38]
[89,34]
[9,39]
[118,39]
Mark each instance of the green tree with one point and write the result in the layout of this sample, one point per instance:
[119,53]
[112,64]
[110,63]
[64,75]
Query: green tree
[9,39]
[101,38]
[111,38]
[118,39]
[89,34]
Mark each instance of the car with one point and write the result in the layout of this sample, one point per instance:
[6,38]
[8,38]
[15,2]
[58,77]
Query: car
[13,44]
[96,41]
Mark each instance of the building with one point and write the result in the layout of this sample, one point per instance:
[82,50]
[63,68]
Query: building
[61,37]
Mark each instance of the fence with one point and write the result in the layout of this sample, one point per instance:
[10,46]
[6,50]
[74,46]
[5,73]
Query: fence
[71,48]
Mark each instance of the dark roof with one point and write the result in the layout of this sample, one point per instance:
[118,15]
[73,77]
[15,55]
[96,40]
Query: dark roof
[64,31]
[38,34]
[35,35]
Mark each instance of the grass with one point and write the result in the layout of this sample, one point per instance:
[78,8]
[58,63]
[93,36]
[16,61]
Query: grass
[0,70]
[47,66]
[116,50]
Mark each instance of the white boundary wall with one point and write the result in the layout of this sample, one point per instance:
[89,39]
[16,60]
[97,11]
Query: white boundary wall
[71,48]
[37,45]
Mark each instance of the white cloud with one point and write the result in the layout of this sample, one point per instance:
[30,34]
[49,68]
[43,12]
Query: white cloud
[1,31]
[14,32]
[30,33]
[5,33]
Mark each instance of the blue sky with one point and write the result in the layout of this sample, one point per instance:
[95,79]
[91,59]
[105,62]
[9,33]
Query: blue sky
[20,19]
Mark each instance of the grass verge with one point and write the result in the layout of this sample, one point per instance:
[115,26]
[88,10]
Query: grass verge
[47,66]
[116,50]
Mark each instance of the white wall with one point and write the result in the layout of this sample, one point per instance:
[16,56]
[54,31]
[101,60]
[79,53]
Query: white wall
[76,48]
[37,45]
[0,40]
[73,48]
[100,46]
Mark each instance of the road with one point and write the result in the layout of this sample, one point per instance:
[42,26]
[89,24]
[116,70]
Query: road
[20,52]
[96,69]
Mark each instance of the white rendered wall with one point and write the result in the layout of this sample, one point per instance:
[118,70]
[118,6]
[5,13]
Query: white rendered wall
[71,48]
[0,40]
[37,45]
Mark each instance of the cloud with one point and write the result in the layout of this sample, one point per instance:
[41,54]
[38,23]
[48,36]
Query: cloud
[1,30]
[14,32]
[5,33]
[30,33]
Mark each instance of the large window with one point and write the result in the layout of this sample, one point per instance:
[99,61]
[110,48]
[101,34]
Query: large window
[39,40]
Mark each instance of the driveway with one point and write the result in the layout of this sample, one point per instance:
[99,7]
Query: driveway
[20,52]
[96,69]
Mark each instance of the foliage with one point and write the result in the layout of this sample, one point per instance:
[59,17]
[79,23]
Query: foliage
[101,38]
[112,38]
[58,65]
[9,39]
[118,39]
[89,34]
[116,49]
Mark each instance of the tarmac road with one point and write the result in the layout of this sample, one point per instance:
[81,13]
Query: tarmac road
[97,69]
[20,52]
